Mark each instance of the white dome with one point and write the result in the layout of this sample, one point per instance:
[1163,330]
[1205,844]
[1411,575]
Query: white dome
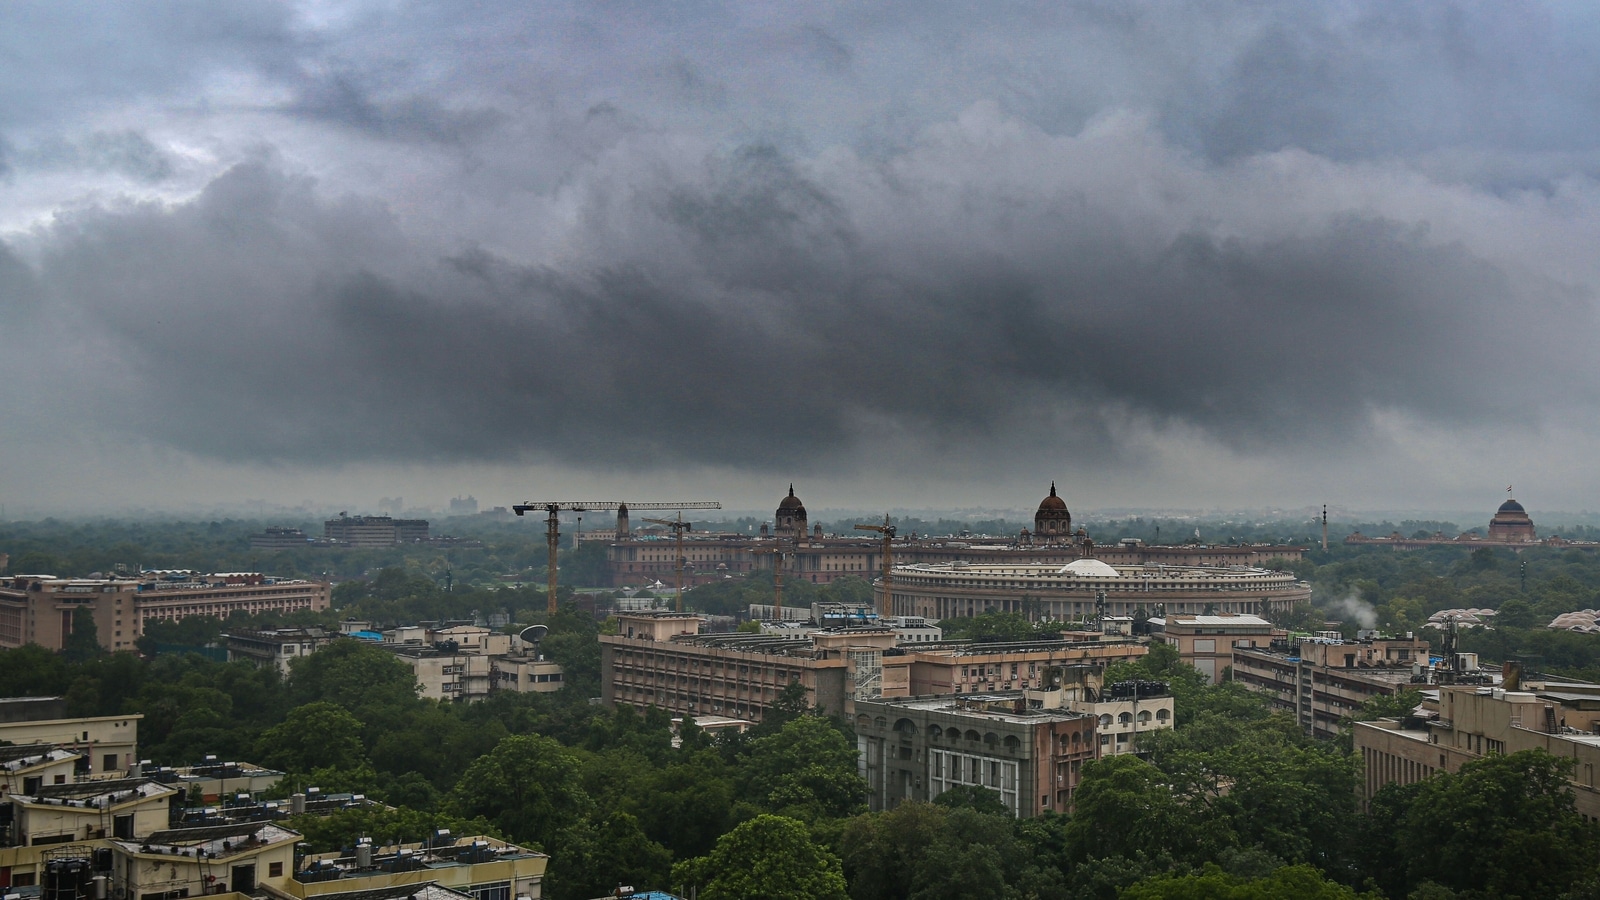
[1089,568]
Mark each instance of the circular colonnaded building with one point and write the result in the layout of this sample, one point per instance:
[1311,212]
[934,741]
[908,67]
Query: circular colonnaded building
[953,589]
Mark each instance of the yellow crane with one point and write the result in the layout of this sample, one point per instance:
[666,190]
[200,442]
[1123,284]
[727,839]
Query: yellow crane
[887,531]
[779,554]
[678,526]
[554,508]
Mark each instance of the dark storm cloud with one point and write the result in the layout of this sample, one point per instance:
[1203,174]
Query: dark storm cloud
[697,232]
[751,318]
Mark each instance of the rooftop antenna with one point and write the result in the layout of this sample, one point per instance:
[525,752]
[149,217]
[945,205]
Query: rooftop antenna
[533,634]
[1324,528]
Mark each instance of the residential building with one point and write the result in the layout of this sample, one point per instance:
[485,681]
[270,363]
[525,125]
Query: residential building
[1208,642]
[106,746]
[481,867]
[118,839]
[277,648]
[465,663]
[1324,680]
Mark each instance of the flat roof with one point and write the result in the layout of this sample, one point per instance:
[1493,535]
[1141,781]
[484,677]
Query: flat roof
[952,704]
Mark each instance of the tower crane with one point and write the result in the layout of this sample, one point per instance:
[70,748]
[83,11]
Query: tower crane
[780,553]
[887,531]
[553,509]
[678,526]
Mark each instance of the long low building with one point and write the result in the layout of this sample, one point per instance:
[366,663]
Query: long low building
[663,660]
[634,558]
[39,609]
[1073,592]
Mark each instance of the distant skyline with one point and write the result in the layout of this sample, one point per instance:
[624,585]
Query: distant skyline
[934,255]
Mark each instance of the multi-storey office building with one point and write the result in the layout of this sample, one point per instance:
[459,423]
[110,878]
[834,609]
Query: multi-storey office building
[1460,723]
[663,660]
[1020,744]
[1323,681]
[374,531]
[1208,642]
[466,663]
[916,749]
[39,609]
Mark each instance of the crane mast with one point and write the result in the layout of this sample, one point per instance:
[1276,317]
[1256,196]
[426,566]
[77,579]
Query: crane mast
[678,526]
[779,554]
[888,532]
[553,510]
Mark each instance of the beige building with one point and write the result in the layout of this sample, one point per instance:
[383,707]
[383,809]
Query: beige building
[1460,723]
[276,648]
[1323,681]
[466,663]
[112,839]
[39,609]
[1086,589]
[1208,642]
[663,660]
[106,746]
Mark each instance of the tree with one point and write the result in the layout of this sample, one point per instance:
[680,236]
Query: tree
[1125,806]
[979,799]
[319,735]
[527,786]
[767,858]
[384,824]
[373,684]
[83,643]
[592,858]
[685,806]
[807,770]
[1300,882]
[1502,826]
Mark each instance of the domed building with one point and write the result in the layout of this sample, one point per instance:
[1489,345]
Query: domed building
[1511,524]
[790,519]
[1052,520]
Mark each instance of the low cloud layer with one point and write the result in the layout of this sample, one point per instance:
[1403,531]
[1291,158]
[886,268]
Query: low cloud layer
[381,254]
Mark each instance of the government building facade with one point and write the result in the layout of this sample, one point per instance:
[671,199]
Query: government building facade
[634,559]
[1088,588]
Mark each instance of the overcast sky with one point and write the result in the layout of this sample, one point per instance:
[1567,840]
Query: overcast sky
[902,254]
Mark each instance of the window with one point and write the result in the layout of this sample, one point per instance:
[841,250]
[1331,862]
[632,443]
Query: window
[275,870]
[494,890]
[109,763]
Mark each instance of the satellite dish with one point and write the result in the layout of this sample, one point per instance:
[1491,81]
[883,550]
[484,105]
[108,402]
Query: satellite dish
[533,634]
